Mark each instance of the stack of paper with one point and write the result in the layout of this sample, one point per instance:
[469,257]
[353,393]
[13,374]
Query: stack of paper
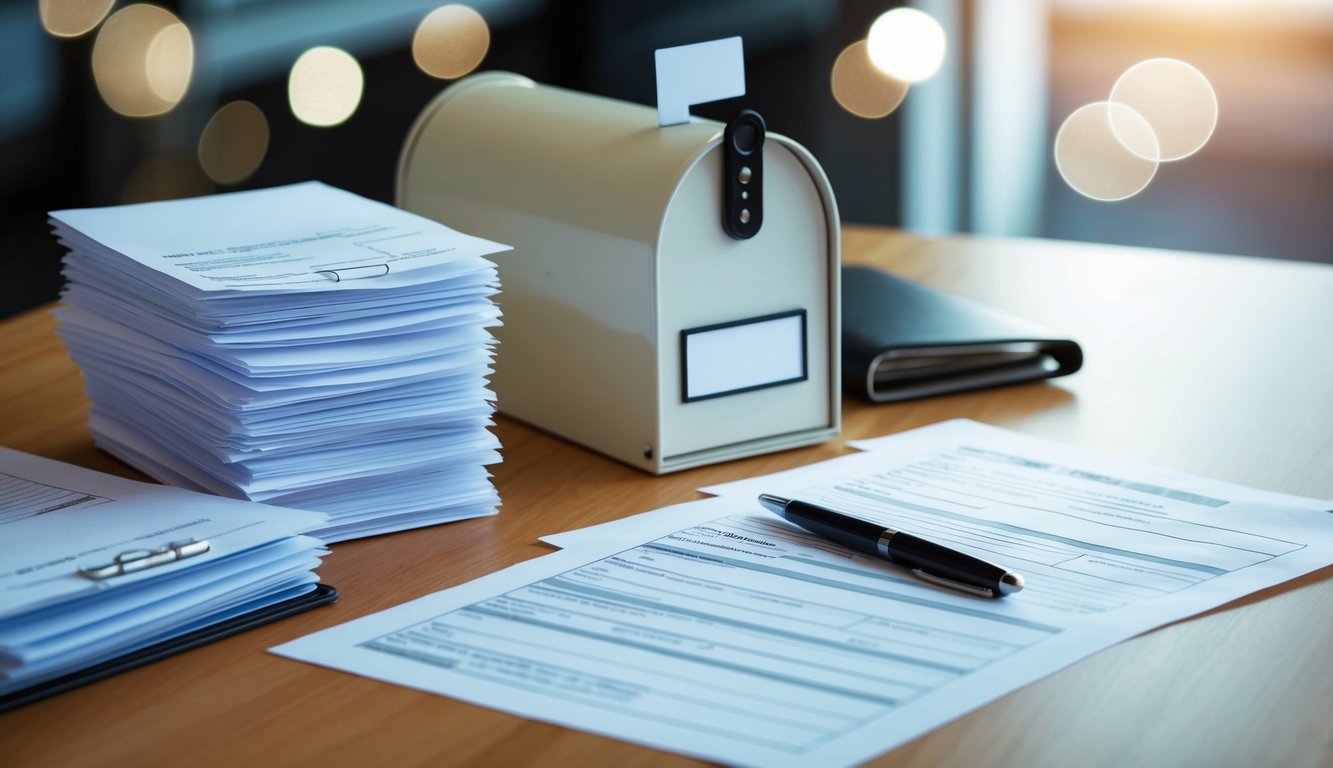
[300,346]
[88,572]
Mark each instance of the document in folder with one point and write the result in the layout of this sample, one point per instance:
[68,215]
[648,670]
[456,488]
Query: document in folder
[901,340]
[99,573]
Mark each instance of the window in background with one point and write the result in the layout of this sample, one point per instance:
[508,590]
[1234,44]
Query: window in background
[1263,185]
[977,151]
[27,73]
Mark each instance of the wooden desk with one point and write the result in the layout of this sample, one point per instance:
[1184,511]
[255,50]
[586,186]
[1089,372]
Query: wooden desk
[1218,366]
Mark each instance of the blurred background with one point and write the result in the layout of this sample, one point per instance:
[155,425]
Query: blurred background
[223,104]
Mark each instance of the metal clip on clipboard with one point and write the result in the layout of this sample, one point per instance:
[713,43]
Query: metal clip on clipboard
[132,560]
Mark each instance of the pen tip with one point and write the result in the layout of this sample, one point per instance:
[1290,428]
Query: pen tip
[1010,583]
[775,503]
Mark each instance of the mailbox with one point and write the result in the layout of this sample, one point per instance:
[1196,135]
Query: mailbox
[672,298]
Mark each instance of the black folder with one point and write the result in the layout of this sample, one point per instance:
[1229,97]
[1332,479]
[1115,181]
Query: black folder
[901,341]
[321,595]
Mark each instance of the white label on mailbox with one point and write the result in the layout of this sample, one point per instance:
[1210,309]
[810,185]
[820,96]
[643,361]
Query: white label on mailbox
[745,355]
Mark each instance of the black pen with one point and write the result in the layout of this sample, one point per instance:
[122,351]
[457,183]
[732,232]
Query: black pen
[931,562]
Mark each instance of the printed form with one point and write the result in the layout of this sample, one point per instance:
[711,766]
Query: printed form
[716,629]
[306,236]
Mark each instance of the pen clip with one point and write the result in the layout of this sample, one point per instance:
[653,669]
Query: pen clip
[951,584]
[132,560]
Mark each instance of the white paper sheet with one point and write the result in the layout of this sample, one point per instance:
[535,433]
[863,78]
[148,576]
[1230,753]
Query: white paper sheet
[717,630]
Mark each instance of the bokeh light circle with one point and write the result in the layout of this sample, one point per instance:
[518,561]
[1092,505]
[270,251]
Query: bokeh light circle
[1176,100]
[861,88]
[451,41]
[234,142]
[71,18]
[1095,161]
[907,44]
[324,87]
[165,62]
[143,59]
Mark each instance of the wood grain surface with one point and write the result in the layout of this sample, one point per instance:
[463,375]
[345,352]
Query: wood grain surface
[1217,366]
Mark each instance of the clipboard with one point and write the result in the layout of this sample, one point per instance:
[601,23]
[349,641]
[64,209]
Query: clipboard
[322,594]
[902,341]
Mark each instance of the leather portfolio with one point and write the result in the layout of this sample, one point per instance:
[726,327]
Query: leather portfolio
[902,340]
